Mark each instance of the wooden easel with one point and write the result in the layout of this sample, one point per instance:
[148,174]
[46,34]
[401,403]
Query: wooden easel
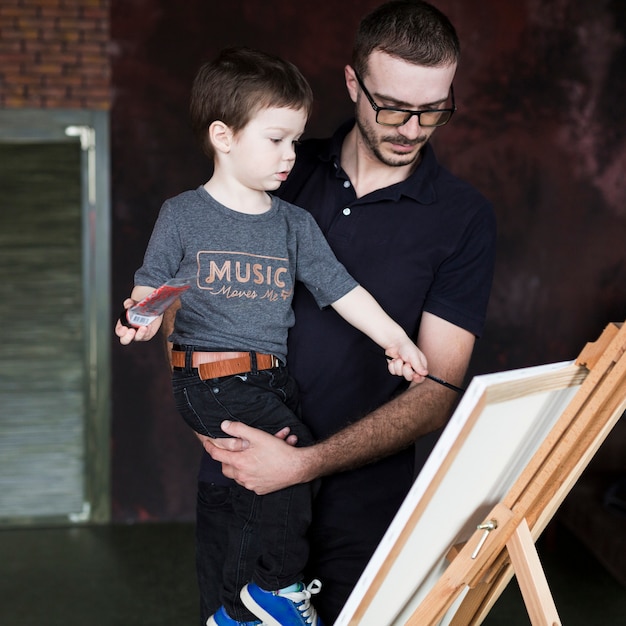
[489,559]
[461,589]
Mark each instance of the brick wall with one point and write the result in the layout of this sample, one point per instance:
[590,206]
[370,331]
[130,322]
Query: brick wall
[54,54]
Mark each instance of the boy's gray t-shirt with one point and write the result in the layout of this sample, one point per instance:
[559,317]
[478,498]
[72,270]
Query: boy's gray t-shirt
[244,269]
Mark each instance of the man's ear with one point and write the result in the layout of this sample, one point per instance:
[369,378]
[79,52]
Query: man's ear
[221,136]
[351,82]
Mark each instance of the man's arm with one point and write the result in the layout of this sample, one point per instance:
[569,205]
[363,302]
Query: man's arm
[264,463]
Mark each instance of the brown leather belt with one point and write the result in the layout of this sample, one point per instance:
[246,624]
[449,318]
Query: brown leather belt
[218,364]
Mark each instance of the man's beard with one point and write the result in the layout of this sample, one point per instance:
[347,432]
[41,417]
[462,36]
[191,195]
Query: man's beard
[373,142]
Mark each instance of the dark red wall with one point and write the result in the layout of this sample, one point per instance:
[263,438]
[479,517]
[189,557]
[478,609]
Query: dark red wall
[540,130]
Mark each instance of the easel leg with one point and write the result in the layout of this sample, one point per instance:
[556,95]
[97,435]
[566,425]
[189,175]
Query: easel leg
[531,578]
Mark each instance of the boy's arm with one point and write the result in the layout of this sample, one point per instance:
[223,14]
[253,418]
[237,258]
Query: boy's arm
[142,333]
[359,308]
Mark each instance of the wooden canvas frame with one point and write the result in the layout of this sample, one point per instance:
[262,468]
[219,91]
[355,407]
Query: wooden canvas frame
[511,452]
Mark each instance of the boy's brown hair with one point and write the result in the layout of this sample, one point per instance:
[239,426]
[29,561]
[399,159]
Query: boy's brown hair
[240,82]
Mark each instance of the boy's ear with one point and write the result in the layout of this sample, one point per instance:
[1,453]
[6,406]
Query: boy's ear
[221,136]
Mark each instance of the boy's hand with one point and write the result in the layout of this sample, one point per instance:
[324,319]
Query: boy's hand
[407,360]
[141,333]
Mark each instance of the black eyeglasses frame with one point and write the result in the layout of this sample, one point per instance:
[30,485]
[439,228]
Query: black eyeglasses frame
[409,112]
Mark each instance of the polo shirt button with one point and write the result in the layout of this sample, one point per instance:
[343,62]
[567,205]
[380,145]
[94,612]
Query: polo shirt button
[347,211]
[346,183]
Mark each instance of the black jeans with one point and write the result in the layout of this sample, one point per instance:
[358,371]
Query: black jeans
[337,556]
[265,536]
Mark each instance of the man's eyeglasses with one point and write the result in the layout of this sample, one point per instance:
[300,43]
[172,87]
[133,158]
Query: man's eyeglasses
[390,116]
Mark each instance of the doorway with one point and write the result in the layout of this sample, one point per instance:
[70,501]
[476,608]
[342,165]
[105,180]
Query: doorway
[54,303]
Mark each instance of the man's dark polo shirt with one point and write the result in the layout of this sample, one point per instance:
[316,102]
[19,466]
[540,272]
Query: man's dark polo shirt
[425,244]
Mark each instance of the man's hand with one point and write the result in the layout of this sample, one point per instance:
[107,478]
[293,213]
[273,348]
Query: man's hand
[258,461]
[236,443]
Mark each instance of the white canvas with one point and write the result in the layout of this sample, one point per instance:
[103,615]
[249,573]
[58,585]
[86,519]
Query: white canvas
[497,427]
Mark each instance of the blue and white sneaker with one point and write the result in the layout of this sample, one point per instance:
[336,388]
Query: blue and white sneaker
[221,618]
[285,607]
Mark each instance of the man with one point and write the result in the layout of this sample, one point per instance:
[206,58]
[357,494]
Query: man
[422,242]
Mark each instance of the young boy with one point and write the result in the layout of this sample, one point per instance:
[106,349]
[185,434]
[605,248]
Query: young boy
[246,249]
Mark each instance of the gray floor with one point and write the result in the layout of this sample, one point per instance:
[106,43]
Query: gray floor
[143,575]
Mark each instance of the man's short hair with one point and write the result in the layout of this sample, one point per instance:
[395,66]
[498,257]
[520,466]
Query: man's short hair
[240,82]
[410,30]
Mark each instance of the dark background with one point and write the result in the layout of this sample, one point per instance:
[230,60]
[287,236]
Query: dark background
[540,131]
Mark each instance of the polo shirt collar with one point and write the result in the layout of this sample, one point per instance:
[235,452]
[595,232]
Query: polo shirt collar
[417,186]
